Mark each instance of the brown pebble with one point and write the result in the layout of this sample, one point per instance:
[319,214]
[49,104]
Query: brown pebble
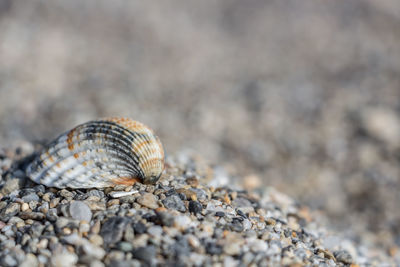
[20,224]
[32,215]
[227,199]
[270,221]
[29,221]
[161,209]
[188,193]
[192,181]
[54,202]
[95,228]
[46,197]
[96,205]
[113,202]
[93,198]
[327,254]
[96,240]
[128,188]
[148,200]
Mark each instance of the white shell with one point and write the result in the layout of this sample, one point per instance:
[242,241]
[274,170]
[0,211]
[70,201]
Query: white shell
[118,194]
[99,154]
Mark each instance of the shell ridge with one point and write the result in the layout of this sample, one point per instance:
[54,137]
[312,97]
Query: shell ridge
[82,139]
[92,156]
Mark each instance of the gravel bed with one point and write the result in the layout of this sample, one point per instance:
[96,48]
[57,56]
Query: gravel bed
[191,217]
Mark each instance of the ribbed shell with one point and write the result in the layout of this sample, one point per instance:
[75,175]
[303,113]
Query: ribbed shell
[99,154]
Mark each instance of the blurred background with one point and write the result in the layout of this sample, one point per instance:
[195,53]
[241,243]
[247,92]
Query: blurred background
[303,95]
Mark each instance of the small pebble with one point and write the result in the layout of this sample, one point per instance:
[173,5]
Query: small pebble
[343,256]
[148,200]
[195,207]
[174,202]
[80,211]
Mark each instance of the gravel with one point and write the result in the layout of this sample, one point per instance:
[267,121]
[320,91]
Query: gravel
[178,222]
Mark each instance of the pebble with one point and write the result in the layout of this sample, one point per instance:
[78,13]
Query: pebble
[30,197]
[78,210]
[146,254]
[174,202]
[125,246]
[112,230]
[343,256]
[10,185]
[232,249]
[155,231]
[12,209]
[64,259]
[148,200]
[195,207]
[139,228]
[30,261]
[182,222]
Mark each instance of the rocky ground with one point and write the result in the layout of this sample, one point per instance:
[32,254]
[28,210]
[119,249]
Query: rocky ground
[194,216]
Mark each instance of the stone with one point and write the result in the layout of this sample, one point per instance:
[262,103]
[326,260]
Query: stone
[30,261]
[9,261]
[11,185]
[139,228]
[148,200]
[78,210]
[258,245]
[343,256]
[146,254]
[30,197]
[232,249]
[182,222]
[12,209]
[125,246]
[174,202]
[32,215]
[66,194]
[195,207]
[64,259]
[113,229]
[213,248]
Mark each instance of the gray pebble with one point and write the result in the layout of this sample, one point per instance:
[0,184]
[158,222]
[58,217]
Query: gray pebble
[343,256]
[112,230]
[12,209]
[195,207]
[146,254]
[125,246]
[174,202]
[8,260]
[78,210]
[30,197]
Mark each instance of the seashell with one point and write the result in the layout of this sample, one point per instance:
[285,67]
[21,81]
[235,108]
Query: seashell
[101,153]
